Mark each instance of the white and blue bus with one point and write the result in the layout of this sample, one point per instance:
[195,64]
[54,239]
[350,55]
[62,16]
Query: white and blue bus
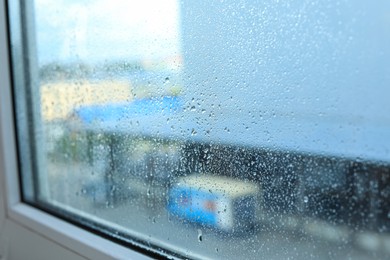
[215,201]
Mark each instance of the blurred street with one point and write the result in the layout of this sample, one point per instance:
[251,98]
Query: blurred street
[143,213]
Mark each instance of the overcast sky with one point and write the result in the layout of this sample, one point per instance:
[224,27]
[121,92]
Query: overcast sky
[102,30]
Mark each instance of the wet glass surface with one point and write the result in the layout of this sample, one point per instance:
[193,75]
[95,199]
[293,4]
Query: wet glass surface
[219,130]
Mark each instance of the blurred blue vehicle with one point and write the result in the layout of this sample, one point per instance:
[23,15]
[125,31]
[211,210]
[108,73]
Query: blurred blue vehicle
[220,202]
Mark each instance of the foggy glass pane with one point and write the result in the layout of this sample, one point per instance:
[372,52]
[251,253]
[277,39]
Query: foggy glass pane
[219,129]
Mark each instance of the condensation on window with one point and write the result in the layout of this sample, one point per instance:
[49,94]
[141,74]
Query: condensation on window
[222,129]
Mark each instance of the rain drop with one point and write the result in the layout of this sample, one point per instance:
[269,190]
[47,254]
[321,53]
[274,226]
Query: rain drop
[200,236]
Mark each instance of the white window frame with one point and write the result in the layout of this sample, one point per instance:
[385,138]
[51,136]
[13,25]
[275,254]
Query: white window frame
[19,221]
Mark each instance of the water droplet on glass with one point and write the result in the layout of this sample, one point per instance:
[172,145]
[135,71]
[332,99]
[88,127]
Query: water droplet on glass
[305,199]
[200,236]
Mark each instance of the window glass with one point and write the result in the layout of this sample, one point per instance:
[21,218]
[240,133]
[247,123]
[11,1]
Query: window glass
[222,129]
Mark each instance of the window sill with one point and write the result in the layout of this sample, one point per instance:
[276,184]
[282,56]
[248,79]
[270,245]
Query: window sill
[70,237]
